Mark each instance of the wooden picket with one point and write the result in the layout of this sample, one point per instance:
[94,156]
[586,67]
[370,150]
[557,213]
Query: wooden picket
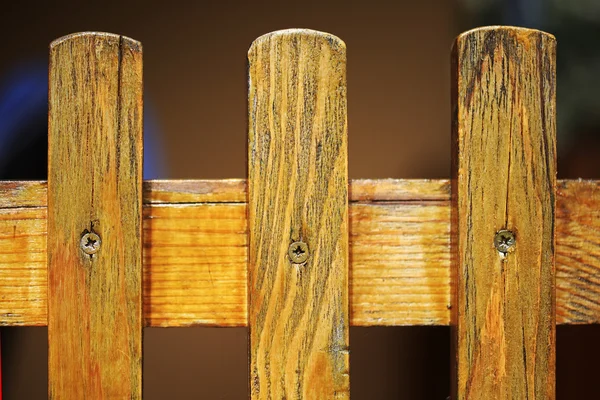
[95,218]
[502,252]
[298,217]
[504,177]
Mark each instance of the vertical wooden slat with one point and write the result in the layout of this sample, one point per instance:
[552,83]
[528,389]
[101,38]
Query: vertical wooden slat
[95,185]
[298,312]
[504,174]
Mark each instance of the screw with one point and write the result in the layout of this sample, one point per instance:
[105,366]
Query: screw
[298,252]
[504,241]
[90,243]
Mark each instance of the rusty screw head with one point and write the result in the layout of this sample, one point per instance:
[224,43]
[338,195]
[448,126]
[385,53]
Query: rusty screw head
[504,241]
[298,252]
[90,243]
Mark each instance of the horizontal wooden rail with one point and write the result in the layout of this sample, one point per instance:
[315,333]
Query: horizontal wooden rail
[195,253]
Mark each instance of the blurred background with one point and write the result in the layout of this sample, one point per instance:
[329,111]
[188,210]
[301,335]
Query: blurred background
[195,126]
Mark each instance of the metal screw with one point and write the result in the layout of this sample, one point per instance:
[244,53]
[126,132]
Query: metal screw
[504,241]
[298,252]
[90,243]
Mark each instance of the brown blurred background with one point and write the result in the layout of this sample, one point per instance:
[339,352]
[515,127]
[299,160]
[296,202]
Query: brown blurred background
[399,123]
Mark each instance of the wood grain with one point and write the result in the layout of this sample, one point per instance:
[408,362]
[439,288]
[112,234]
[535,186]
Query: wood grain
[195,254]
[23,194]
[505,178]
[195,259]
[195,191]
[578,252]
[298,192]
[95,185]
[23,266]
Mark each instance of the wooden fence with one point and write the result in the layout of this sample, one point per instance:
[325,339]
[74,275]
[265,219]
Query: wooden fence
[297,253]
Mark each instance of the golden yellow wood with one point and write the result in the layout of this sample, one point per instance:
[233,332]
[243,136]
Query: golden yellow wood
[505,179]
[95,186]
[195,253]
[298,200]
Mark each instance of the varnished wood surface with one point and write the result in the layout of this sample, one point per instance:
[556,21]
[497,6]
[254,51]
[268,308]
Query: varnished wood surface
[504,136]
[195,191]
[578,252]
[95,185]
[195,254]
[195,259]
[21,194]
[298,192]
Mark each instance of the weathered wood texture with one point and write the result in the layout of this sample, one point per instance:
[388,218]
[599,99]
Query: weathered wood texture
[195,259]
[298,192]
[577,254]
[505,175]
[95,185]
[20,194]
[195,252]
